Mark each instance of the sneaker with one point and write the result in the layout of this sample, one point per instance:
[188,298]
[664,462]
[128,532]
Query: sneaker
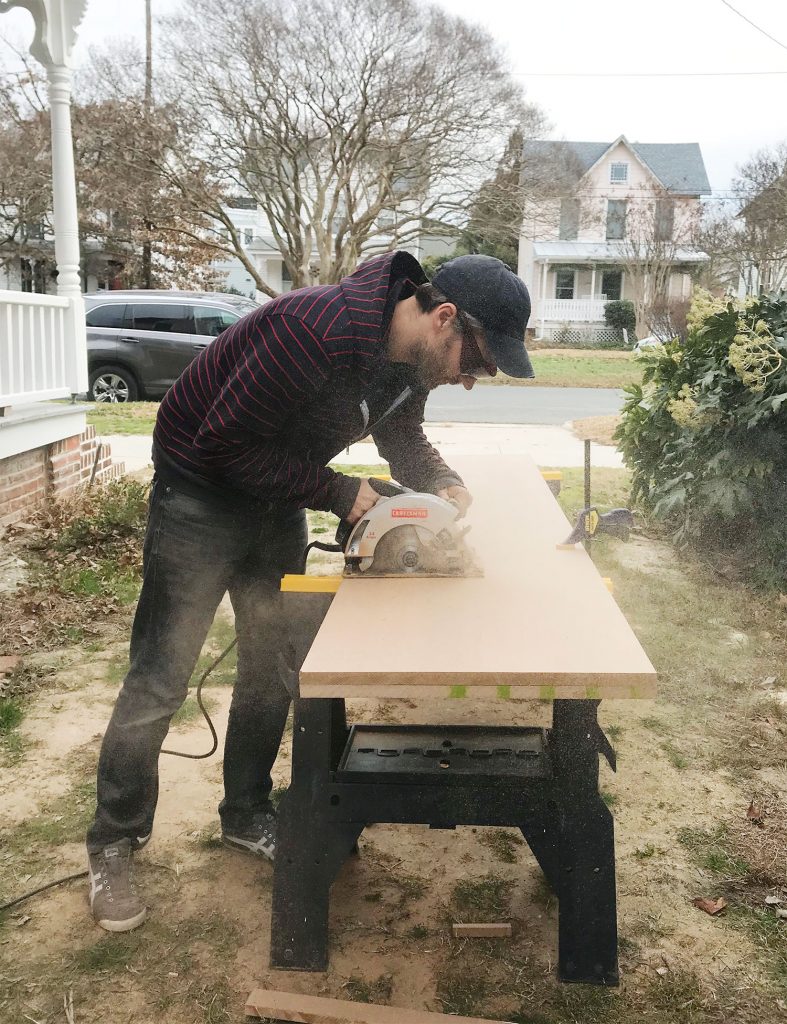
[114,900]
[258,837]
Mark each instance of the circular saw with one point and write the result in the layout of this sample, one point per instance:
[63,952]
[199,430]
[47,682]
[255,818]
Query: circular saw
[406,533]
[409,534]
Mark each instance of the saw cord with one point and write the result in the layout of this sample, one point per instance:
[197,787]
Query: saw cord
[176,753]
[41,888]
[198,694]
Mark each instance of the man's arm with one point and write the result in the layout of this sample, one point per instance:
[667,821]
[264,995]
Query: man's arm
[280,366]
[414,462]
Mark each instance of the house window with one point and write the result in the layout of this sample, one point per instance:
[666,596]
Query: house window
[564,284]
[569,219]
[616,219]
[33,230]
[664,220]
[618,172]
[612,284]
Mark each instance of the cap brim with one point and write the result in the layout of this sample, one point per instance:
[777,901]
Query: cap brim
[510,355]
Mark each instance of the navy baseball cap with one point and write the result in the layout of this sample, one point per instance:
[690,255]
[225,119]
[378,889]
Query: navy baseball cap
[487,289]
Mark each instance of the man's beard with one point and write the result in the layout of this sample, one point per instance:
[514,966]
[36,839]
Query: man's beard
[431,366]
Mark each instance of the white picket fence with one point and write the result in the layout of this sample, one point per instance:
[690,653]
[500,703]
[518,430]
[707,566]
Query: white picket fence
[43,351]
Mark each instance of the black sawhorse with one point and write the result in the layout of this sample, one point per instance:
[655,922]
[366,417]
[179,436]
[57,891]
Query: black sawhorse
[542,781]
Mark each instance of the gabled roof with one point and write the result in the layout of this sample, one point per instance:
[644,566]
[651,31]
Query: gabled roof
[677,165]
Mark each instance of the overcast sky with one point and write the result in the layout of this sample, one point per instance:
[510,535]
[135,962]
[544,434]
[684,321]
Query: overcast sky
[729,115]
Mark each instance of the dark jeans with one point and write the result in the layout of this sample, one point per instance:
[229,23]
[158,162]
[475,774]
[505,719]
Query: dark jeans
[194,553]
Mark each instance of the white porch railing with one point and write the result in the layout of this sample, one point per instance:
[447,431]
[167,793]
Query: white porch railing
[572,310]
[43,351]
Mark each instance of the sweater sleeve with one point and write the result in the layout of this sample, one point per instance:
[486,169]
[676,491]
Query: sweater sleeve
[280,366]
[414,462]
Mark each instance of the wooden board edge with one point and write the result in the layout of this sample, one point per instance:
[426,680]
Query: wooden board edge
[643,687]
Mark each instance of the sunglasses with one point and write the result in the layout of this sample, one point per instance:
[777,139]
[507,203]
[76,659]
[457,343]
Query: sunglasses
[472,362]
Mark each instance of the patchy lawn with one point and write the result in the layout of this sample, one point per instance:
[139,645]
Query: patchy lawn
[577,368]
[123,418]
[699,801]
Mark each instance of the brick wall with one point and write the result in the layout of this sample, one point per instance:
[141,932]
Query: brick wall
[58,468]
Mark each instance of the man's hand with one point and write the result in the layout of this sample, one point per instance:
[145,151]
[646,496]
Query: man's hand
[459,496]
[366,497]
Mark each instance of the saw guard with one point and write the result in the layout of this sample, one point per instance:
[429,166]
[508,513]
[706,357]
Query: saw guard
[426,531]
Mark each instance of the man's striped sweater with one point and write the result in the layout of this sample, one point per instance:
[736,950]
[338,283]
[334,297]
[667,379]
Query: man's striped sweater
[256,417]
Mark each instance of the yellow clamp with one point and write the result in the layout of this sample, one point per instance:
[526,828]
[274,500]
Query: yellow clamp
[300,584]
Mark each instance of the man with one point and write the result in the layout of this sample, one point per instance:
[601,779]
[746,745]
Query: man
[240,449]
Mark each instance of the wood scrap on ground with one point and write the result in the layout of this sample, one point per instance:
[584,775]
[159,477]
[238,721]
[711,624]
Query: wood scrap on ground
[293,1006]
[500,930]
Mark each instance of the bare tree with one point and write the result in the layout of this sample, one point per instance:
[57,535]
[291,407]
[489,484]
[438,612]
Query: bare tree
[497,212]
[25,168]
[657,230]
[758,236]
[339,118]
[715,232]
[124,203]
[746,237]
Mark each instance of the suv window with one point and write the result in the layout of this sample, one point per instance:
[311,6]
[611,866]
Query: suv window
[162,317]
[212,320]
[109,315]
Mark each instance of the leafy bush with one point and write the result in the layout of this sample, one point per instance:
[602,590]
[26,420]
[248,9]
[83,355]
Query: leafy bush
[620,313]
[705,435]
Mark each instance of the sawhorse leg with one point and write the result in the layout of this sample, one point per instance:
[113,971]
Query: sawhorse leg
[310,848]
[587,945]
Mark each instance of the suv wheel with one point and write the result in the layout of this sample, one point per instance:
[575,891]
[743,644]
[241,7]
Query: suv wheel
[112,384]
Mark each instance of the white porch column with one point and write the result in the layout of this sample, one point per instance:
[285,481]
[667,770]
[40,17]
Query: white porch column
[592,282]
[64,183]
[544,268]
[56,24]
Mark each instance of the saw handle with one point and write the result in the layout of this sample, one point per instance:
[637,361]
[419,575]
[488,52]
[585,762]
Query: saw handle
[386,489]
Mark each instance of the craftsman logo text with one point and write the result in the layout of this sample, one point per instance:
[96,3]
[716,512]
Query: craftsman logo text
[410,513]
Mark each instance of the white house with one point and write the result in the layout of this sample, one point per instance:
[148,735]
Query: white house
[46,447]
[621,212]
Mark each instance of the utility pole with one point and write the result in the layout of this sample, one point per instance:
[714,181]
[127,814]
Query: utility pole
[147,262]
[148,57]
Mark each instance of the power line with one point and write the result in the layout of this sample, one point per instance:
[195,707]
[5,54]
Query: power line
[767,35]
[646,74]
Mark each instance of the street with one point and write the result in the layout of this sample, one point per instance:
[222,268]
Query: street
[502,404]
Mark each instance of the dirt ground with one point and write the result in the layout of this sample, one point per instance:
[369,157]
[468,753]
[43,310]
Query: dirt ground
[692,765]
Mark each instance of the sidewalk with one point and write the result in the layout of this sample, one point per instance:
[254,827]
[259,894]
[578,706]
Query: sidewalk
[547,446]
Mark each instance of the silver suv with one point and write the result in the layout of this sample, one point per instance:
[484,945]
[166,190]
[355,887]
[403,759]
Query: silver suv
[139,342]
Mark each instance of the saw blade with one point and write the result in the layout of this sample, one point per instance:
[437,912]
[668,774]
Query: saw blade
[410,551]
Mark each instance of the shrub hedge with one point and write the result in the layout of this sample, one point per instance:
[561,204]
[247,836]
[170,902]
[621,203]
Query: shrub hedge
[705,435]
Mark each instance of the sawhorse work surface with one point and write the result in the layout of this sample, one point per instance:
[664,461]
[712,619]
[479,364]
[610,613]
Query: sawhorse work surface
[539,623]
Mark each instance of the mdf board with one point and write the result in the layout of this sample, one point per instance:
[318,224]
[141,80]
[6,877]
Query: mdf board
[291,1006]
[539,623]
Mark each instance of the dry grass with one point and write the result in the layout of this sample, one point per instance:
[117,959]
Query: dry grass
[598,429]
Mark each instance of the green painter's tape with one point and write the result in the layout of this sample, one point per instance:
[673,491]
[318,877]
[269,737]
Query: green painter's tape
[504,692]
[546,693]
[592,693]
[458,691]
